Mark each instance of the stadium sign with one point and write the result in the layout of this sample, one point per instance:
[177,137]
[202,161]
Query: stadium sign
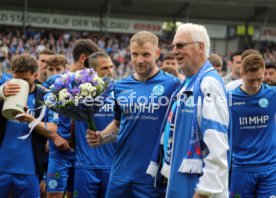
[265,34]
[72,22]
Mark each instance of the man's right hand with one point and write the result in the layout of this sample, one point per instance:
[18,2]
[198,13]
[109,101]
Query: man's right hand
[93,138]
[61,143]
[10,89]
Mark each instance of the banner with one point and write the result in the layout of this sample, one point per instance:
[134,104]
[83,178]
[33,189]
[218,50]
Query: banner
[216,31]
[79,23]
[266,34]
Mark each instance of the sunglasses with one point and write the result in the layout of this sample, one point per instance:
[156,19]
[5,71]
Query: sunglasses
[181,45]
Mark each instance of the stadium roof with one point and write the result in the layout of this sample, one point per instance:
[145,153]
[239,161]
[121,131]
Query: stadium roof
[215,11]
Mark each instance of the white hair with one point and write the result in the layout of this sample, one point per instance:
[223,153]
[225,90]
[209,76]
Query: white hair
[198,33]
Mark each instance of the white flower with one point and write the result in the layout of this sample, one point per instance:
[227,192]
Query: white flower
[87,90]
[63,77]
[52,86]
[78,76]
[100,85]
[65,97]
[50,100]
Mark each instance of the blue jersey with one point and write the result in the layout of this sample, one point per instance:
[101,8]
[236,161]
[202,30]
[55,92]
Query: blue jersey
[254,137]
[4,78]
[64,127]
[95,157]
[140,108]
[17,156]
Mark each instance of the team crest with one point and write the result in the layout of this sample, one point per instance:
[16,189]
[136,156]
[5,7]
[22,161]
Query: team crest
[263,102]
[158,90]
[189,102]
[52,184]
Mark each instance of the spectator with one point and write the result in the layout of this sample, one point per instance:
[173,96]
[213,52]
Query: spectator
[55,65]
[216,61]
[235,66]
[44,55]
[270,74]
[171,70]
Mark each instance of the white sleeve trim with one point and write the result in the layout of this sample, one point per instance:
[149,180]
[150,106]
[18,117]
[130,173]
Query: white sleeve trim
[215,172]
[152,169]
[214,105]
[233,84]
[165,171]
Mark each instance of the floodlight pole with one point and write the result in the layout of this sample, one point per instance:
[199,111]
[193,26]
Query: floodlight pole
[104,19]
[25,16]
[262,29]
[108,10]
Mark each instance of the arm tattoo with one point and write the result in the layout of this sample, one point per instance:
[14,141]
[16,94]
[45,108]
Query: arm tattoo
[109,138]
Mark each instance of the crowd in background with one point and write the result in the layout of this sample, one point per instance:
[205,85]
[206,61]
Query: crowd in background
[14,41]
[246,71]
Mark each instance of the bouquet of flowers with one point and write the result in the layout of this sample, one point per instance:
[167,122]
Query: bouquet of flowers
[78,95]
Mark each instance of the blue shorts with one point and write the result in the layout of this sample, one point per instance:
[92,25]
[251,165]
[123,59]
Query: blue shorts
[253,183]
[23,186]
[60,175]
[92,182]
[119,189]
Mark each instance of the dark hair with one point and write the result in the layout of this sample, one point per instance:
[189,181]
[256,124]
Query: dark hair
[23,63]
[57,60]
[47,51]
[84,46]
[236,53]
[92,60]
[270,65]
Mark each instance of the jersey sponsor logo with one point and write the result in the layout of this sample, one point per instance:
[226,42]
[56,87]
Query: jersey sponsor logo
[106,108]
[263,102]
[253,121]
[52,184]
[140,107]
[158,90]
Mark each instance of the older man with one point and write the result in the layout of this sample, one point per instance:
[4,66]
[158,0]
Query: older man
[197,142]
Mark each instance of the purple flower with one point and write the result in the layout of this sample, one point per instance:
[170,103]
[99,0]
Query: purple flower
[58,85]
[75,91]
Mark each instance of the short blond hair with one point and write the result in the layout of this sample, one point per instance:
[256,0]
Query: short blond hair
[143,37]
